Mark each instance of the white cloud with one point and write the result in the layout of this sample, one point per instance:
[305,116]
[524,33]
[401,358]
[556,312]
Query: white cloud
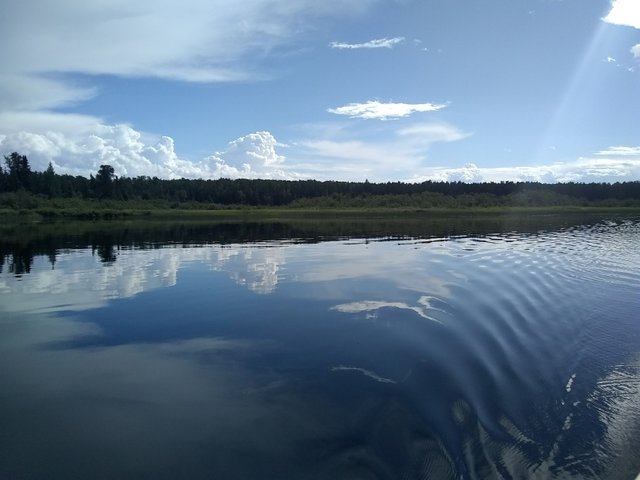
[624,12]
[21,91]
[398,154]
[374,109]
[133,153]
[433,132]
[121,146]
[193,40]
[377,43]
[256,155]
[251,156]
[43,121]
[635,51]
[469,173]
[620,151]
[615,164]
[204,42]
[393,155]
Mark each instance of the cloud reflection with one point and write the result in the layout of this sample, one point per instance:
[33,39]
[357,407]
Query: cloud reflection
[80,280]
[374,306]
[365,372]
[255,268]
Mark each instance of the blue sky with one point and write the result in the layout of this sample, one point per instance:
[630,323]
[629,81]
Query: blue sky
[383,90]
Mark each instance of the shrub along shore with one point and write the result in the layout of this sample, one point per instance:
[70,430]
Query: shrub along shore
[108,210]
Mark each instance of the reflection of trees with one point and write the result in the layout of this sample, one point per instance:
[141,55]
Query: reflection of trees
[21,243]
[20,256]
[21,262]
[19,259]
[106,250]
[52,259]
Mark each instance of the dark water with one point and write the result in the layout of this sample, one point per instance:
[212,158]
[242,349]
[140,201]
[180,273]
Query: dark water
[467,348]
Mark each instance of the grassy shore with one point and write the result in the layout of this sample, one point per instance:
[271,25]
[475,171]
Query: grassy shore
[108,211]
[24,206]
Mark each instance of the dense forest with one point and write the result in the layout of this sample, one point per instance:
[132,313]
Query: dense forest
[19,186]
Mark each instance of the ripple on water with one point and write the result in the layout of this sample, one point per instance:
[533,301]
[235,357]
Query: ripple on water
[534,320]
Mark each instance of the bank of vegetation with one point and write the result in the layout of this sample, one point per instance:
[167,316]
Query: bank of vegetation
[47,193]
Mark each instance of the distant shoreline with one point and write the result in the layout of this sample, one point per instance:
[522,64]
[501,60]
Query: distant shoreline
[27,195]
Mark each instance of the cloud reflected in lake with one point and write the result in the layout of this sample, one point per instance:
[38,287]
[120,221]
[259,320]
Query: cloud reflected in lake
[371,307]
[80,280]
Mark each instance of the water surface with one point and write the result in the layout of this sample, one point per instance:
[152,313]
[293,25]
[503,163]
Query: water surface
[443,349]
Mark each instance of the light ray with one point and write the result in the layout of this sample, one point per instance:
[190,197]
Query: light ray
[567,107]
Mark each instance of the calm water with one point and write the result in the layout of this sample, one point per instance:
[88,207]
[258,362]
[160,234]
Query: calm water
[454,349]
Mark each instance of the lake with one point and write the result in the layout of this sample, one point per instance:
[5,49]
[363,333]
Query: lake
[466,347]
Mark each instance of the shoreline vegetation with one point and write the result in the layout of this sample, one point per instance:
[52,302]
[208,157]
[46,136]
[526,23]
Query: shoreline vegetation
[27,195]
[108,211]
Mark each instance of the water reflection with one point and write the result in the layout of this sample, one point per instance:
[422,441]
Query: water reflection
[255,268]
[372,306]
[21,243]
[500,355]
[83,279]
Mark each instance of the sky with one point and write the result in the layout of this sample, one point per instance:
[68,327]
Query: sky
[355,90]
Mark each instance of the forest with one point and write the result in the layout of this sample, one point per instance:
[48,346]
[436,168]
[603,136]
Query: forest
[21,187]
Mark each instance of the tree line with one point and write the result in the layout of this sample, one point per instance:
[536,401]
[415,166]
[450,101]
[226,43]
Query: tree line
[17,176]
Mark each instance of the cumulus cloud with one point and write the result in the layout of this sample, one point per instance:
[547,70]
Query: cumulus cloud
[624,12]
[251,156]
[374,109]
[397,154]
[118,145]
[376,43]
[469,173]
[256,155]
[615,164]
[133,153]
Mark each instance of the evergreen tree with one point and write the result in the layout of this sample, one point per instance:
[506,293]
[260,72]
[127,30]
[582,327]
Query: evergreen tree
[104,181]
[50,181]
[18,170]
